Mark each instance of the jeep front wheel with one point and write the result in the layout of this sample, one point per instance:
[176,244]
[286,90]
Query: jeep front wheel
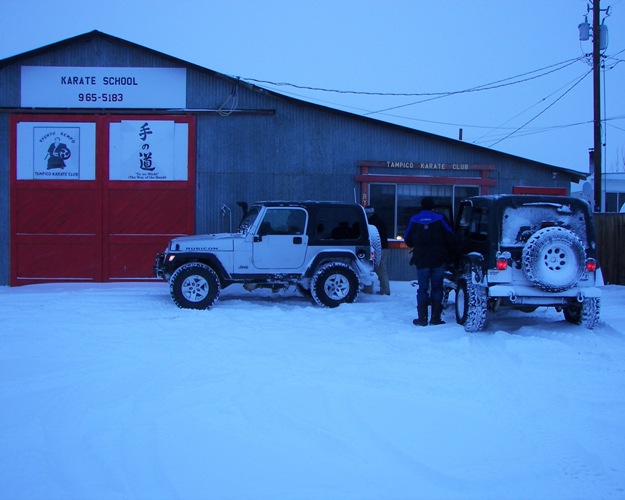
[194,286]
[470,306]
[334,284]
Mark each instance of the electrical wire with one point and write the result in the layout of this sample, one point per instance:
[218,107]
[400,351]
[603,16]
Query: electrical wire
[514,80]
[438,95]
[541,130]
[479,88]
[544,110]
[527,109]
[490,86]
[230,104]
[465,125]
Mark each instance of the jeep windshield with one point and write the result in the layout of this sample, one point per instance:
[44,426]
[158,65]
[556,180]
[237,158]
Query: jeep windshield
[248,219]
[520,222]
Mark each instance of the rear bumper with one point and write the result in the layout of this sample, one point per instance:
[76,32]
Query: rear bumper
[528,295]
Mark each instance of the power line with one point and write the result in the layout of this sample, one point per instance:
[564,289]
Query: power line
[514,80]
[479,88]
[489,86]
[465,125]
[544,110]
[527,109]
[541,130]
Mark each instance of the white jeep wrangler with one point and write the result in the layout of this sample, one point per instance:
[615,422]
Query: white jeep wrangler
[523,252]
[327,250]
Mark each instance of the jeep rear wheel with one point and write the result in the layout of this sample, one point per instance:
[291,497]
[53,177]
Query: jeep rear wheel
[470,306]
[553,259]
[586,313]
[334,284]
[194,286]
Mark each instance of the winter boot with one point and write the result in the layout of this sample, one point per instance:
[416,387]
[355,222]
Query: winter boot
[422,320]
[437,310]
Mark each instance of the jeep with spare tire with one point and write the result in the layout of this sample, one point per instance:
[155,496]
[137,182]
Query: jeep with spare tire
[523,252]
[326,250]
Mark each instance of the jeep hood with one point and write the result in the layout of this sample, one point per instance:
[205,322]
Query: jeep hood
[205,242]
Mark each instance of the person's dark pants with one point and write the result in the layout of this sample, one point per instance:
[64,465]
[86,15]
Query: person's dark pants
[430,281]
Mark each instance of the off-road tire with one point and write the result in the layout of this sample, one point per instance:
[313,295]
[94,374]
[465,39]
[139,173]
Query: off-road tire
[376,244]
[471,305]
[553,259]
[585,314]
[333,284]
[194,286]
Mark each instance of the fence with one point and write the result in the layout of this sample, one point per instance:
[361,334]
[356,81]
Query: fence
[610,232]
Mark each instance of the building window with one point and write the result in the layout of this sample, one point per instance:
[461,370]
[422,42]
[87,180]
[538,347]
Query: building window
[397,203]
[614,202]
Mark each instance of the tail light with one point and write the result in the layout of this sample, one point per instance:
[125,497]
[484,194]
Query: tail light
[591,265]
[503,260]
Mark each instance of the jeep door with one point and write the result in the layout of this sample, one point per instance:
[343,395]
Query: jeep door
[473,228]
[280,241]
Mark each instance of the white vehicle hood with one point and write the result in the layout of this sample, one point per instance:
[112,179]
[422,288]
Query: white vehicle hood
[205,242]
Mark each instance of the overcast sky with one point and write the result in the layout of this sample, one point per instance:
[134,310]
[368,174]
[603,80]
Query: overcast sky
[541,108]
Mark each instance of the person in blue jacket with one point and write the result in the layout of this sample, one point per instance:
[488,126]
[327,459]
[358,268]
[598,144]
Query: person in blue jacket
[431,240]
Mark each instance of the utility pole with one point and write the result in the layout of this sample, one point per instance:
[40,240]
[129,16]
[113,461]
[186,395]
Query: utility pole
[596,80]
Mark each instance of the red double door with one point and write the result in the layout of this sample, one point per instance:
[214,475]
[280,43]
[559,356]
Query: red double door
[76,215]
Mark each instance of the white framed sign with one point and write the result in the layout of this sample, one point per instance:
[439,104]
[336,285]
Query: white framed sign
[148,150]
[101,87]
[57,151]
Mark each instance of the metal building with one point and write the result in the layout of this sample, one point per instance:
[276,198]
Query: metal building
[111,148]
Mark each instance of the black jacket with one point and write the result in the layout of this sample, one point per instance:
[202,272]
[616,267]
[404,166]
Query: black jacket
[431,239]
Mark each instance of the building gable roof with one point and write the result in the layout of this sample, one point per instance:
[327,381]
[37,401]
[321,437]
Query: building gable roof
[96,34]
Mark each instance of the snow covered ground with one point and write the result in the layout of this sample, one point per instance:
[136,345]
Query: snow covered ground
[110,391]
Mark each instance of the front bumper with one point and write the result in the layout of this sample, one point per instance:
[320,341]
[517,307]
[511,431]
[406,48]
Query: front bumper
[159,266]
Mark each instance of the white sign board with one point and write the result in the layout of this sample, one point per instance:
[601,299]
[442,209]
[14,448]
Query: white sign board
[58,151]
[152,150]
[78,87]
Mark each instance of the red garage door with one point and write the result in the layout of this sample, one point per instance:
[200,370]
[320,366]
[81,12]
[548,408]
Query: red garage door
[94,198]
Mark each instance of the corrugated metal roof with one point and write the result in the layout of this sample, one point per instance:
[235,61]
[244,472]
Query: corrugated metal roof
[95,34]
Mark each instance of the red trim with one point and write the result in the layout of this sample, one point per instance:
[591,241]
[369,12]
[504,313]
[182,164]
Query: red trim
[420,174]
[416,179]
[539,190]
[424,166]
[396,244]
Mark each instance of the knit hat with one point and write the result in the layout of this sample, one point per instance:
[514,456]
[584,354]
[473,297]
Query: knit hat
[427,203]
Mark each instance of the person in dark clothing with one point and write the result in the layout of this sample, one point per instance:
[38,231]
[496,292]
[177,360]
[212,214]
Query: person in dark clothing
[431,240]
[381,270]
[56,153]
